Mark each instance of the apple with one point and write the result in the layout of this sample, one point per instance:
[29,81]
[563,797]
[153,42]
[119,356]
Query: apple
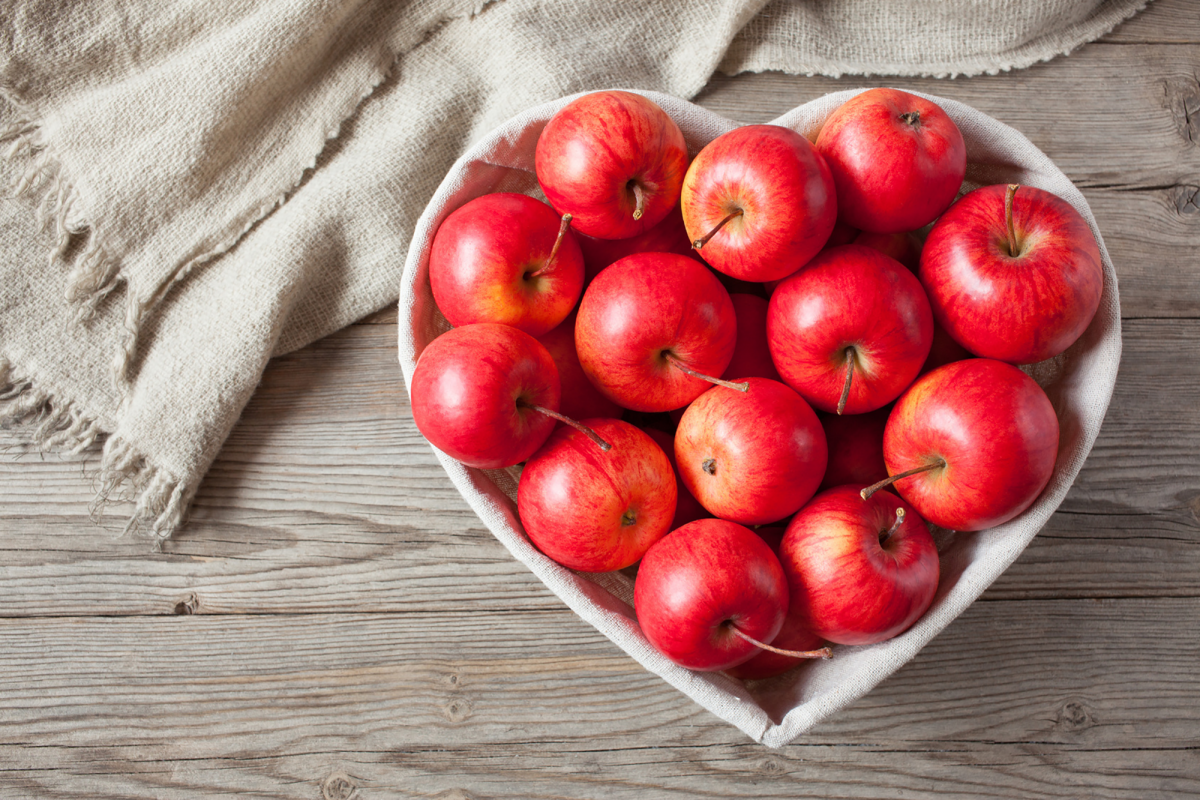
[505,258]
[944,350]
[903,247]
[851,330]
[478,392]
[972,444]
[668,236]
[687,507]
[751,355]
[580,399]
[859,571]
[653,329]
[795,635]
[1013,273]
[758,202]
[702,590]
[855,447]
[612,160]
[841,234]
[752,457]
[897,160]
[594,510]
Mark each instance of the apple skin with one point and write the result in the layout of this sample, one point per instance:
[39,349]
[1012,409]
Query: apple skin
[944,350]
[687,507]
[1024,308]
[668,236]
[470,392]
[752,457]
[995,429]
[850,297]
[794,635]
[646,305]
[855,447]
[892,175]
[698,582]
[751,355]
[580,399]
[593,510]
[851,588]
[784,190]
[484,253]
[593,151]
[903,247]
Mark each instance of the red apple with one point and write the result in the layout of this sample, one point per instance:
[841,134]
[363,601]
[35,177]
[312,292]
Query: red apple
[612,160]
[944,350]
[593,510]
[505,258]
[700,586]
[752,457]
[977,440]
[580,399]
[794,635]
[687,507]
[903,247]
[1013,273]
[648,324]
[476,391]
[859,571]
[758,202]
[897,160]
[842,234]
[855,447]
[668,236]
[850,331]
[751,356]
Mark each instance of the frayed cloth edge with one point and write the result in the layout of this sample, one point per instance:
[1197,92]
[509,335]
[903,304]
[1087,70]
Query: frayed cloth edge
[95,273]
[160,498]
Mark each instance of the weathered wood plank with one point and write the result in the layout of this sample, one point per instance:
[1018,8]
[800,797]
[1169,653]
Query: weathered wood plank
[1008,771]
[1085,111]
[1163,22]
[431,699]
[312,506]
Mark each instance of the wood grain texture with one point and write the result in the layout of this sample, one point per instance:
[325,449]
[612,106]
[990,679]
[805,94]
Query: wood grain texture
[334,622]
[574,718]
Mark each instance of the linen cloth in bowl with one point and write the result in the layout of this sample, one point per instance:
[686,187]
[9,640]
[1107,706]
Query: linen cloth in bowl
[777,710]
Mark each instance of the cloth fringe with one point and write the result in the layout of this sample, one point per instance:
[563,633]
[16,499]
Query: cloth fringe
[160,498]
[94,274]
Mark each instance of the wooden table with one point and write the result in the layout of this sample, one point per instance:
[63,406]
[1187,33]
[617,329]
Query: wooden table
[335,622]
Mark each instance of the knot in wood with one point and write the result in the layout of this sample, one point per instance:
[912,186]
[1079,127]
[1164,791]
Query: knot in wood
[338,786]
[188,605]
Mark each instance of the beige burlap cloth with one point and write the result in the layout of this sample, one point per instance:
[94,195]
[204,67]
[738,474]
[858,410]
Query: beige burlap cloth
[201,185]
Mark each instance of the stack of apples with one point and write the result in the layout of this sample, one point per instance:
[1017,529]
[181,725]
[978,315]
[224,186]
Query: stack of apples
[651,346]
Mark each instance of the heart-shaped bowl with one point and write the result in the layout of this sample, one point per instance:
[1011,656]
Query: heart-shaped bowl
[777,710]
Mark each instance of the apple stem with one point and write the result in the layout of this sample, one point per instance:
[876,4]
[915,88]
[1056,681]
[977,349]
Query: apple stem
[584,429]
[673,359]
[562,231]
[911,117]
[1009,195]
[696,245]
[899,521]
[639,198]
[883,484]
[841,406]
[823,652]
